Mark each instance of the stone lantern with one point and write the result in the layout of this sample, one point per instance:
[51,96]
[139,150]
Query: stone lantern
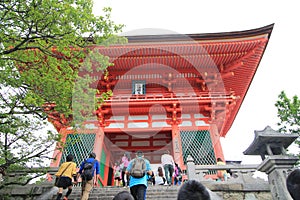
[271,146]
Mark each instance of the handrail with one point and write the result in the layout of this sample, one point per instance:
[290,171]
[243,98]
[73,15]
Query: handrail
[49,171]
[202,172]
[233,168]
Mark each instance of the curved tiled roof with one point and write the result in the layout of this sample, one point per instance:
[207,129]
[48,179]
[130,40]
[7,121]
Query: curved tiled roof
[220,65]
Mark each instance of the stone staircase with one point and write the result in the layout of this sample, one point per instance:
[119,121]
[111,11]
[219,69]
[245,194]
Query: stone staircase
[107,193]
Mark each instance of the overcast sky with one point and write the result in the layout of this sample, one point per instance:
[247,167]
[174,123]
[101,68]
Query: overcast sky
[279,67]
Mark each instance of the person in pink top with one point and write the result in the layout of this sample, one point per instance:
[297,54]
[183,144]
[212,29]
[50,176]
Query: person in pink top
[168,163]
[117,174]
[124,163]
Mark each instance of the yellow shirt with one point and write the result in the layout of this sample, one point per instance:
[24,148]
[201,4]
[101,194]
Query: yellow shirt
[222,163]
[69,172]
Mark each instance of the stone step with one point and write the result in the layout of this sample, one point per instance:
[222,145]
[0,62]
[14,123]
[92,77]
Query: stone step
[107,193]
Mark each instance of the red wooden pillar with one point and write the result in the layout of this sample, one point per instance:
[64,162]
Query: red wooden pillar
[98,148]
[98,145]
[177,148]
[215,139]
[106,168]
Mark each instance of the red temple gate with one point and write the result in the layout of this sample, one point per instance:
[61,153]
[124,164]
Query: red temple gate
[175,92]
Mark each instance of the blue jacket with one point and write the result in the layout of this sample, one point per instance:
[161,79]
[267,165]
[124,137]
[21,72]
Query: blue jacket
[90,160]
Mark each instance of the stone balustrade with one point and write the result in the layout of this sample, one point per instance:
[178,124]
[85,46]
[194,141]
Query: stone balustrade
[241,184]
[33,172]
[202,172]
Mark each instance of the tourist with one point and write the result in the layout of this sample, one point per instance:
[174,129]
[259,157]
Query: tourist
[221,174]
[138,181]
[193,190]
[167,162]
[123,195]
[117,174]
[151,179]
[124,163]
[177,175]
[159,177]
[293,184]
[87,183]
[65,174]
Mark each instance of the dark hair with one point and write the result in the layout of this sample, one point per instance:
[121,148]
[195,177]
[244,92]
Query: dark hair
[193,190]
[69,157]
[123,195]
[160,171]
[293,184]
[92,155]
[127,154]
[139,153]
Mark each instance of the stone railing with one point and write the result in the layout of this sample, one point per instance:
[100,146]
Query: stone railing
[204,172]
[240,184]
[32,172]
[18,188]
[47,173]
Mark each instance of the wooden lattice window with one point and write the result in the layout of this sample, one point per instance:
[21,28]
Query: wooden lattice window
[198,144]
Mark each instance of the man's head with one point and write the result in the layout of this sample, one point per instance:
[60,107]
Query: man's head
[127,154]
[193,190]
[293,184]
[92,155]
[69,157]
[123,195]
[139,154]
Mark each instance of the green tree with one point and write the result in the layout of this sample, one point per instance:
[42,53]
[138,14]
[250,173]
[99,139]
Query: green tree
[46,49]
[288,111]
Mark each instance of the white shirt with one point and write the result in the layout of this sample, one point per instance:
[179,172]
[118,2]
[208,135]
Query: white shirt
[159,180]
[167,159]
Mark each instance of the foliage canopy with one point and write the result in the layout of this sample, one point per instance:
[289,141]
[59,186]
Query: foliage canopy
[43,46]
[288,111]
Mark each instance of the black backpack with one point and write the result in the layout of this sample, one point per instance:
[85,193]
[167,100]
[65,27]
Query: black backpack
[179,176]
[138,169]
[88,170]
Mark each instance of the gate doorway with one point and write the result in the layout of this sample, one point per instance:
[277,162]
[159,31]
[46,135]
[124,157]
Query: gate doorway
[152,142]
